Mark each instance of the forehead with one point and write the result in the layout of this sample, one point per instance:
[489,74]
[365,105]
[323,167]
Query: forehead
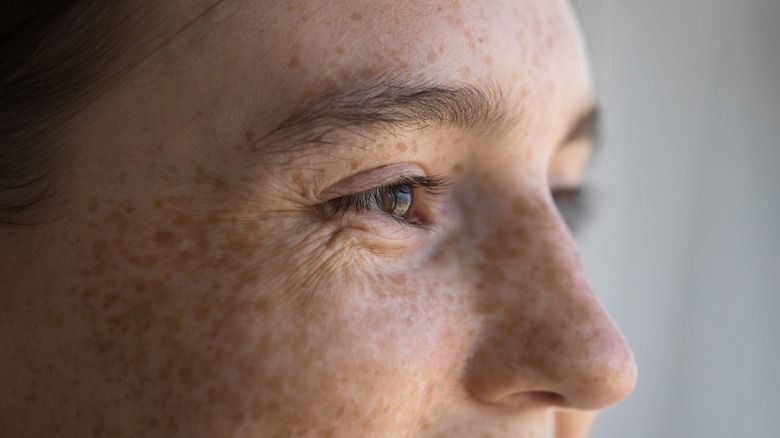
[338,40]
[253,63]
[262,61]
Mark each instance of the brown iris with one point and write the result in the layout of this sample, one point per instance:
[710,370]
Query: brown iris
[397,201]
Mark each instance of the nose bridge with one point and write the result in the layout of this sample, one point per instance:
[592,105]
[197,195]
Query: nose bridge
[544,331]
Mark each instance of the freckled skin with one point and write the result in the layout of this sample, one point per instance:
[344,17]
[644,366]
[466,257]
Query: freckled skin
[190,287]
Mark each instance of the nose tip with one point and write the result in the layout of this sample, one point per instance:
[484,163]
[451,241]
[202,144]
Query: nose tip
[603,374]
[578,366]
[545,338]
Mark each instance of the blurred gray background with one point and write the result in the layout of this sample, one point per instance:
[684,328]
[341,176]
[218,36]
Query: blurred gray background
[685,246]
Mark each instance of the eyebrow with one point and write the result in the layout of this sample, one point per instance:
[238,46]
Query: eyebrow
[379,107]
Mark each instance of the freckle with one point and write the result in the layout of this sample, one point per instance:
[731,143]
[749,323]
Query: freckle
[367,73]
[249,135]
[401,147]
[149,261]
[339,50]
[354,164]
[356,16]
[93,206]
[158,203]
[219,184]
[344,74]
[99,246]
[138,285]
[299,179]
[432,56]
[184,256]
[521,207]
[457,168]
[294,62]
[166,238]
[109,301]
[54,319]
[97,431]
[213,217]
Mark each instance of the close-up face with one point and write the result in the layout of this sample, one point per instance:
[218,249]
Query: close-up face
[319,218]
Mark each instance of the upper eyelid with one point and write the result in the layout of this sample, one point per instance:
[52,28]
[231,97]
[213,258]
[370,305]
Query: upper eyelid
[370,179]
[431,184]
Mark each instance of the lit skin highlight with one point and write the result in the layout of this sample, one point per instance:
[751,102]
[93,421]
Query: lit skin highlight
[192,285]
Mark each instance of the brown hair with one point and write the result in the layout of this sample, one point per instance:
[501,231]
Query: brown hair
[55,56]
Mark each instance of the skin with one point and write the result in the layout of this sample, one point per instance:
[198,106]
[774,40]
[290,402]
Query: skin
[191,286]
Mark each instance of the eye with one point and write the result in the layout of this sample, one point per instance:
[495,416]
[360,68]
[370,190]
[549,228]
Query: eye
[574,205]
[403,200]
[397,201]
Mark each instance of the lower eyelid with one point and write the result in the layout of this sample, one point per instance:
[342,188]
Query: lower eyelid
[379,230]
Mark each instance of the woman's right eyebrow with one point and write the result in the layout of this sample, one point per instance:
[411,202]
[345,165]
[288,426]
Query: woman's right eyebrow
[378,108]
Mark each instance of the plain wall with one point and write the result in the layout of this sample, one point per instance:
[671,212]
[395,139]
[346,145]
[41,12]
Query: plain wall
[684,249]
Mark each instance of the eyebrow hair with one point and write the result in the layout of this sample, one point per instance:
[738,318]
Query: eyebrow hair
[390,106]
[369,109]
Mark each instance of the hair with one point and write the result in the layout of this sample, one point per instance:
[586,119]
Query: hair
[55,57]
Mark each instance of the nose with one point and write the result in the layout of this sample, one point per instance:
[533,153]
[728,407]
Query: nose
[544,336]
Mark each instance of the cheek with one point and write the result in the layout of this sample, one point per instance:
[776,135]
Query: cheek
[361,356]
[191,318]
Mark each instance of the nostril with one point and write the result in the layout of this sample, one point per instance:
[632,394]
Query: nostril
[525,399]
[539,398]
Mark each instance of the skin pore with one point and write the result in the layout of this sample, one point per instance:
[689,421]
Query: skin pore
[198,281]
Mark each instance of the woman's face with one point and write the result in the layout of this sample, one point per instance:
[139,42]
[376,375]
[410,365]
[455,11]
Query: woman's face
[320,218]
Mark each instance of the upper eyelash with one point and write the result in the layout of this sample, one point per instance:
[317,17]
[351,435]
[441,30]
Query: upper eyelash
[433,185]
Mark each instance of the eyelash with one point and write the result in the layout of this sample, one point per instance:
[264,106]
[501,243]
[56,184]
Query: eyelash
[369,200]
[575,206]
